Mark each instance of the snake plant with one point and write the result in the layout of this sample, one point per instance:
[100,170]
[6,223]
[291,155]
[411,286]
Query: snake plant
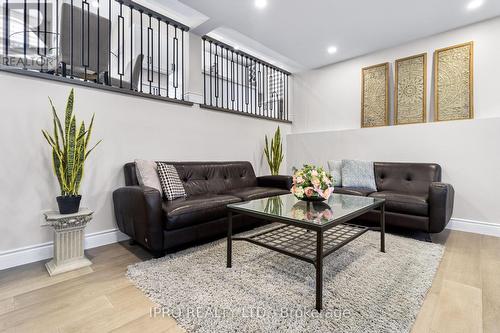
[274,152]
[69,148]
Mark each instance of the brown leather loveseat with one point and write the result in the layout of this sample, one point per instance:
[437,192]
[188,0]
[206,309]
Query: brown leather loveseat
[415,196]
[160,225]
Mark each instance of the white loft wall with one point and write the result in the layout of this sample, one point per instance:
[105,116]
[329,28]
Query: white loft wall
[327,124]
[130,127]
[329,98]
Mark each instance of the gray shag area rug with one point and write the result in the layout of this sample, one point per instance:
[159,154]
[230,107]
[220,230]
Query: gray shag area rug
[364,290]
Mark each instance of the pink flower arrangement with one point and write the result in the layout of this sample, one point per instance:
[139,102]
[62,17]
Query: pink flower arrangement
[312,183]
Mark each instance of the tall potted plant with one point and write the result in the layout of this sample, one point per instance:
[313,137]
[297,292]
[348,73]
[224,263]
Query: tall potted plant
[69,152]
[274,152]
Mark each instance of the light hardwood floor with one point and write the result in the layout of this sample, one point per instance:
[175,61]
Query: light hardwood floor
[465,295]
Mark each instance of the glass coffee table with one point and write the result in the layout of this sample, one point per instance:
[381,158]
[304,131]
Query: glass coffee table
[308,231]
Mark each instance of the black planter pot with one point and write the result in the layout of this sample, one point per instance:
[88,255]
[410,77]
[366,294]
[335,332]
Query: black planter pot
[69,204]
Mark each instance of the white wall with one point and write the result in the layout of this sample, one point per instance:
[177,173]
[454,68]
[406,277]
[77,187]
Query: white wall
[130,127]
[327,122]
[329,98]
[466,150]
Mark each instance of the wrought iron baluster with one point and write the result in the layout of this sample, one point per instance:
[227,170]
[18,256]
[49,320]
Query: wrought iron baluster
[232,80]
[25,33]
[281,96]
[85,33]
[276,94]
[255,89]
[204,71]
[222,75]
[287,94]
[71,39]
[57,39]
[108,75]
[121,47]
[227,78]
[38,29]
[98,42]
[237,82]
[176,61]
[131,47]
[182,67]
[168,62]
[273,94]
[216,73]
[266,92]
[142,51]
[210,73]
[45,27]
[150,54]
[159,58]
[247,85]
[6,29]
[243,78]
[258,88]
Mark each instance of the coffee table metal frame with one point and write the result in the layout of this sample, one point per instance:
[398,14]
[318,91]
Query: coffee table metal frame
[304,240]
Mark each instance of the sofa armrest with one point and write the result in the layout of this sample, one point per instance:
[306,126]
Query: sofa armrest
[138,214]
[283,182]
[441,197]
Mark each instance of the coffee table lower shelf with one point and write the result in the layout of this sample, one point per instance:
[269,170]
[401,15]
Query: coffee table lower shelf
[302,243]
[311,244]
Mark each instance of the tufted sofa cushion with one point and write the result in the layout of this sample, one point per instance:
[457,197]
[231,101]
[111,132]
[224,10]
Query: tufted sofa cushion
[413,204]
[414,178]
[185,212]
[206,177]
[252,193]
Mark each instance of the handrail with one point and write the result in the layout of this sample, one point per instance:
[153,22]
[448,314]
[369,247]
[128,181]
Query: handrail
[147,11]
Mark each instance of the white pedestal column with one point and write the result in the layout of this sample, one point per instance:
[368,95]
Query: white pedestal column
[69,240]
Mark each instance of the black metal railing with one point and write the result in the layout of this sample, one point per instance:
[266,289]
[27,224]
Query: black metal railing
[112,44]
[238,82]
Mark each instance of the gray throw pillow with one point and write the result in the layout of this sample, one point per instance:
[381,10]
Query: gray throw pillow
[358,174]
[147,174]
[335,168]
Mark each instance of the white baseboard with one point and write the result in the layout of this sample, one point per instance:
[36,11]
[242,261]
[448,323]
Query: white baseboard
[477,227]
[28,254]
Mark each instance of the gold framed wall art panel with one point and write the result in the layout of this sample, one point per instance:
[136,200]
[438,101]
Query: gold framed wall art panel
[410,90]
[454,82]
[375,95]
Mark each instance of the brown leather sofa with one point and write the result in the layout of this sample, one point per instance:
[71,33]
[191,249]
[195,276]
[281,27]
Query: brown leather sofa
[415,197]
[160,225]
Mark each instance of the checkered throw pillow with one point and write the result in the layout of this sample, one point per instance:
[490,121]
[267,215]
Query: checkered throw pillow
[170,182]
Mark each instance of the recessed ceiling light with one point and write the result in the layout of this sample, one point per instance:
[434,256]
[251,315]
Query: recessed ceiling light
[475,4]
[332,49]
[236,47]
[260,4]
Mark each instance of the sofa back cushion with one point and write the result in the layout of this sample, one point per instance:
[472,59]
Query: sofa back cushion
[406,177]
[206,177]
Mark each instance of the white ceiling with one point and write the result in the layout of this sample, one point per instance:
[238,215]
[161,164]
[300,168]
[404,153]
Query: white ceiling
[300,31]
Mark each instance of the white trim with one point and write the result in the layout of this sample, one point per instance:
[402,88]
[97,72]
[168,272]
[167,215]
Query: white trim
[477,227]
[28,254]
